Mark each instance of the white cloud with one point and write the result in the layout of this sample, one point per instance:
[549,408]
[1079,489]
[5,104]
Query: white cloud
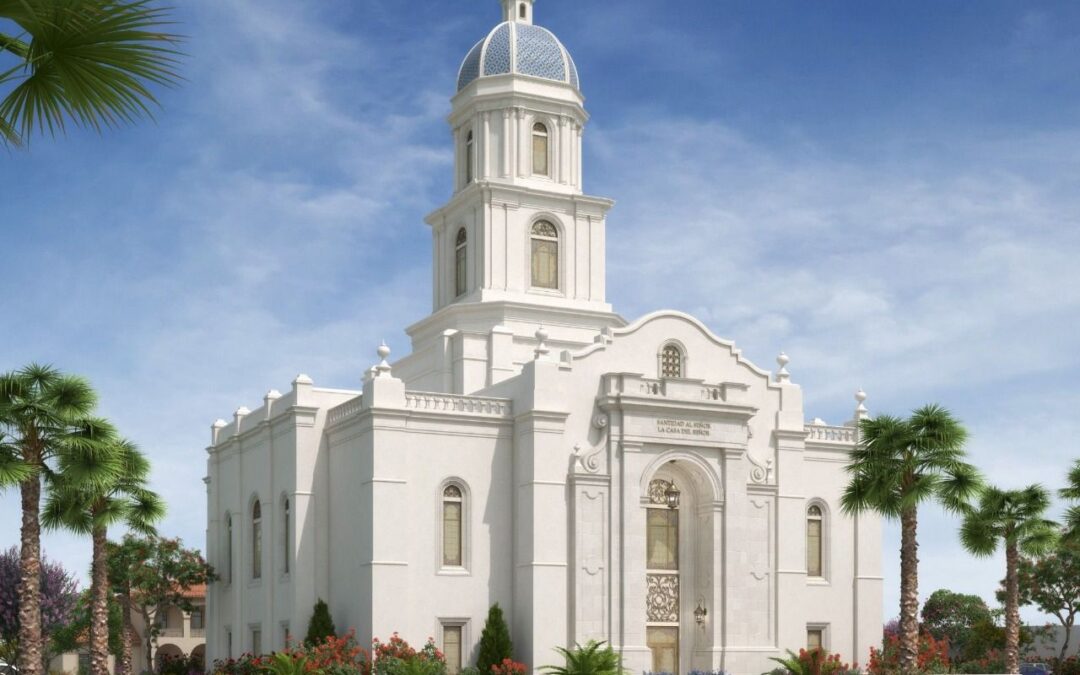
[299,157]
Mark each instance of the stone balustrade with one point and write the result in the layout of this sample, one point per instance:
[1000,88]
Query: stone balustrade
[345,410]
[470,405]
[827,434]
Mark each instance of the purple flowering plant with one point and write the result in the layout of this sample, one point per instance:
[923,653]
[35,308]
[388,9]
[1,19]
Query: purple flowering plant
[59,593]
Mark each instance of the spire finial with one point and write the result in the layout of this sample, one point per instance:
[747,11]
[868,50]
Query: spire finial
[861,411]
[783,375]
[541,343]
[520,11]
[383,369]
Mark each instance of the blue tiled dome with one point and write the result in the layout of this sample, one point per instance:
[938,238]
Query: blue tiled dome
[515,47]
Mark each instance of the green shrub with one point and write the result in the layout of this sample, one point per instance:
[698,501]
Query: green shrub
[495,644]
[321,625]
[591,659]
[1067,666]
[396,657]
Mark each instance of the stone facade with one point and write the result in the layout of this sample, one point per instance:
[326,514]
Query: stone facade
[530,448]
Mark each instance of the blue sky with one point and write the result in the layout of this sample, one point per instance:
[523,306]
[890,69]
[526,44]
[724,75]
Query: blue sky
[888,192]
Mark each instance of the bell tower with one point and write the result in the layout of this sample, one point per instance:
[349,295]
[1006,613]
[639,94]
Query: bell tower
[519,245]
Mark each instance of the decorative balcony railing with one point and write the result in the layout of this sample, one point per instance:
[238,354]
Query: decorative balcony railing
[704,392]
[678,388]
[346,409]
[827,434]
[472,405]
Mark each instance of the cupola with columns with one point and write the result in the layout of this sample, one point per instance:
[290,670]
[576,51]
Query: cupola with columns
[519,244]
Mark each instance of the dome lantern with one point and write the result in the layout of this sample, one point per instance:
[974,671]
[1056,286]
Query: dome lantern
[520,11]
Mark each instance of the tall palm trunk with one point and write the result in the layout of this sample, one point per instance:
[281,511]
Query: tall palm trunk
[99,606]
[1012,609]
[909,589]
[124,665]
[31,650]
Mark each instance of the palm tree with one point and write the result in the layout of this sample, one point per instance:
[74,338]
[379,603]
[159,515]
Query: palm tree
[44,416]
[897,465]
[1072,516]
[89,62]
[1015,518]
[91,507]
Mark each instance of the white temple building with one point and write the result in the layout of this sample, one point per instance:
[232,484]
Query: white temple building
[636,482]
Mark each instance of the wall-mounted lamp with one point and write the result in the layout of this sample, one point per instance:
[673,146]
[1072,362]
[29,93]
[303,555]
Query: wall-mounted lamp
[700,613]
[671,496]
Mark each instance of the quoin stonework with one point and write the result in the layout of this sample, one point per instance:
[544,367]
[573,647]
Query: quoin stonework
[638,482]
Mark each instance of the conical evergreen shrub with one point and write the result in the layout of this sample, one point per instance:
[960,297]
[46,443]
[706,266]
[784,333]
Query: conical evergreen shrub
[321,625]
[495,644]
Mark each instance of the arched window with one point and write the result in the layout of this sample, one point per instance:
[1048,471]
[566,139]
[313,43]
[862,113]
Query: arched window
[469,158]
[256,540]
[228,548]
[671,361]
[460,257]
[814,532]
[453,503]
[540,149]
[545,255]
[521,10]
[287,553]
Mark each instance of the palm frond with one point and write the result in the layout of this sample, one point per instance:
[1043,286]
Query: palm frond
[1072,491]
[960,484]
[1014,517]
[145,508]
[978,534]
[91,62]
[89,456]
[13,470]
[1037,537]
[69,508]
[935,428]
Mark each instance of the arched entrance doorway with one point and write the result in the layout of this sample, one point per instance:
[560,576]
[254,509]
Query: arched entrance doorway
[198,657]
[681,503]
[166,653]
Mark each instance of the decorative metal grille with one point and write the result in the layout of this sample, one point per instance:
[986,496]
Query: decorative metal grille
[662,598]
[671,362]
[657,488]
[544,229]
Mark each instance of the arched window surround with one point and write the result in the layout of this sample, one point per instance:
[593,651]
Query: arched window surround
[560,259]
[461,262]
[285,508]
[257,520]
[826,538]
[684,356]
[466,530]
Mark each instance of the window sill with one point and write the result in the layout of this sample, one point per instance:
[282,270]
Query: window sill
[817,581]
[549,292]
[254,583]
[453,572]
